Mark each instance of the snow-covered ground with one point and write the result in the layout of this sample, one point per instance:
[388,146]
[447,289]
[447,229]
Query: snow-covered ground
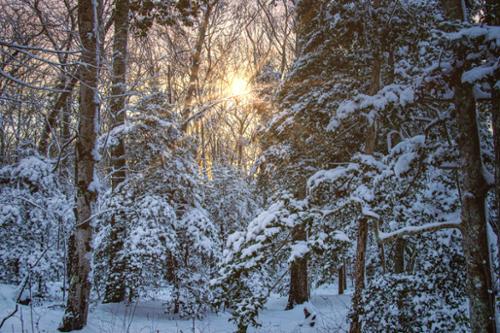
[148,317]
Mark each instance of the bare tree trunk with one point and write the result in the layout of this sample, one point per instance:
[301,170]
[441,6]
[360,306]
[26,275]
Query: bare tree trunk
[195,67]
[115,286]
[75,316]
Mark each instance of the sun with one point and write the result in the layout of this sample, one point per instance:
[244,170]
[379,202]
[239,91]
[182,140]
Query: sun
[239,87]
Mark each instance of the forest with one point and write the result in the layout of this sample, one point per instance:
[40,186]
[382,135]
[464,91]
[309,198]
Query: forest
[239,166]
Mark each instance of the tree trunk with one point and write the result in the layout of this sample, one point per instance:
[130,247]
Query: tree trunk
[195,68]
[474,190]
[299,285]
[473,194]
[399,256]
[169,85]
[75,316]
[115,286]
[492,12]
[306,11]
[453,9]
[496,137]
[359,275]
[342,279]
[493,18]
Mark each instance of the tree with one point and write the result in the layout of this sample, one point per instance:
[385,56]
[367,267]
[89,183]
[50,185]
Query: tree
[168,236]
[195,65]
[474,188]
[36,217]
[115,287]
[75,316]
[306,12]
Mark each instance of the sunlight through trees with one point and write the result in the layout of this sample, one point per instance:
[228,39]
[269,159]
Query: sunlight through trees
[250,165]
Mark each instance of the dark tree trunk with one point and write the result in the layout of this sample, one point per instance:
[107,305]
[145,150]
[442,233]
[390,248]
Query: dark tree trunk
[492,12]
[115,286]
[453,9]
[399,256]
[299,285]
[342,279]
[474,189]
[75,316]
[493,18]
[473,194]
[359,275]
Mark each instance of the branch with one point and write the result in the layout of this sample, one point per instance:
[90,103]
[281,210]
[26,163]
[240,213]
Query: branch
[407,231]
[34,48]
[26,84]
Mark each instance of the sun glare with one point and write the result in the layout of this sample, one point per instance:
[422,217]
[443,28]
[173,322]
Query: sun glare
[239,87]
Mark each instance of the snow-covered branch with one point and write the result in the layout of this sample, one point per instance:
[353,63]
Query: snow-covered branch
[413,230]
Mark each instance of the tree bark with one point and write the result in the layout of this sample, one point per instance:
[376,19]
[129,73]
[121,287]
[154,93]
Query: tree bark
[342,279]
[474,190]
[75,316]
[359,275]
[195,67]
[473,195]
[492,12]
[399,256]
[306,11]
[493,18]
[453,9]
[299,285]
[115,286]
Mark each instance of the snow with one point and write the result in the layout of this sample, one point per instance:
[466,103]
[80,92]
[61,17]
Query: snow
[490,32]
[341,236]
[479,73]
[417,229]
[366,211]
[393,94]
[330,175]
[488,176]
[299,250]
[262,221]
[148,317]
[403,164]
